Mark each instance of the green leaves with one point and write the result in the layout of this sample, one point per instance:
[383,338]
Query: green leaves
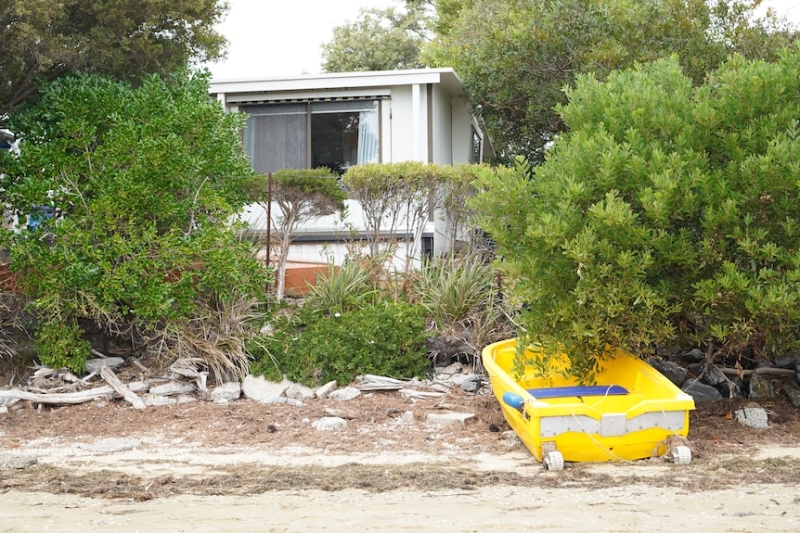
[667,214]
[143,182]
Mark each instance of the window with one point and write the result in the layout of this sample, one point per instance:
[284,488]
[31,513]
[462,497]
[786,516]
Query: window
[477,148]
[336,135]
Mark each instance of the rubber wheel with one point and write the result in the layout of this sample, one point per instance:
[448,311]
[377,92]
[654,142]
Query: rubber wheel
[681,455]
[553,462]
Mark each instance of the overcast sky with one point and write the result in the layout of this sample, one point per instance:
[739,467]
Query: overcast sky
[268,38]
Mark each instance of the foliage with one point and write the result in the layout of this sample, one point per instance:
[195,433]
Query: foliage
[300,195]
[516,56]
[143,182]
[667,213]
[45,39]
[342,288]
[380,39]
[383,338]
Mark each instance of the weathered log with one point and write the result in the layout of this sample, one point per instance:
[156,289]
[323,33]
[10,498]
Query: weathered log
[68,398]
[763,371]
[130,396]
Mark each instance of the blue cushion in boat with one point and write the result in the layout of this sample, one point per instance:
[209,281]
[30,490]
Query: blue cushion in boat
[579,390]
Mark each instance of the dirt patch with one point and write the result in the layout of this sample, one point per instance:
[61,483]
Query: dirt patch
[110,450]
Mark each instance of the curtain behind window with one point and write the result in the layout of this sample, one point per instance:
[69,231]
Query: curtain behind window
[275,137]
[368,137]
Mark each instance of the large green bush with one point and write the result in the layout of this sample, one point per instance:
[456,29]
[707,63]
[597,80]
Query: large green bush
[667,214]
[383,338]
[143,183]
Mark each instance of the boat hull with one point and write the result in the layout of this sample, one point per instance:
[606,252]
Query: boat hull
[631,411]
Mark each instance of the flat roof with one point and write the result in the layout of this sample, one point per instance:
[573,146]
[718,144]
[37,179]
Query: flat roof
[446,77]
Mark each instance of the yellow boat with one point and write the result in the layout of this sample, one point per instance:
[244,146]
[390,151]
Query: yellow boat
[630,412]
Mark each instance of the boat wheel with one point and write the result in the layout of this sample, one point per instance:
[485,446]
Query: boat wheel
[553,462]
[681,455]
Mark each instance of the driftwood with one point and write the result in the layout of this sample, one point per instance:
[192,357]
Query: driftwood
[370,382]
[121,389]
[764,371]
[69,398]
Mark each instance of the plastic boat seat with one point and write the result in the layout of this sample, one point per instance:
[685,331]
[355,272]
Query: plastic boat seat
[578,390]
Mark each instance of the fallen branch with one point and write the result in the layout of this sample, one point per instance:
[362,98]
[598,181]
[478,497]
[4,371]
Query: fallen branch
[130,396]
[764,371]
[69,398]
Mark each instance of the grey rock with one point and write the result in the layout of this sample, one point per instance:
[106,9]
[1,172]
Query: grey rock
[227,392]
[446,372]
[172,388]
[695,354]
[786,361]
[792,392]
[700,391]
[185,398]
[408,417]
[261,390]
[94,365]
[469,382]
[672,371]
[3,410]
[448,418]
[328,423]
[753,417]
[713,376]
[326,389]
[345,394]
[760,388]
[299,392]
[283,399]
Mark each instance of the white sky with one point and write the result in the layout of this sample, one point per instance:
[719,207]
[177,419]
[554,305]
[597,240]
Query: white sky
[268,38]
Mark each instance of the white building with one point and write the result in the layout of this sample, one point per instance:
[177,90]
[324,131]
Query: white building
[344,119]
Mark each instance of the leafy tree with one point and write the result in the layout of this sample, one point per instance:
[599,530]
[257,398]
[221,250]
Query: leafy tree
[381,39]
[300,195]
[516,56]
[142,183]
[44,39]
[667,214]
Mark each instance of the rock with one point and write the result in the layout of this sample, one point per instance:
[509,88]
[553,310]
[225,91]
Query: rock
[792,392]
[172,388]
[3,410]
[445,373]
[470,382]
[185,398]
[752,417]
[283,399]
[786,361]
[340,413]
[299,392]
[695,355]
[713,376]
[94,365]
[672,371]
[227,392]
[447,418]
[345,394]
[760,388]
[732,388]
[261,390]
[700,391]
[327,423]
[408,417]
[326,389]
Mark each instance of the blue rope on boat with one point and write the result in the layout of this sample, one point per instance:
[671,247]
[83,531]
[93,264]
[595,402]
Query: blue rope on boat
[578,390]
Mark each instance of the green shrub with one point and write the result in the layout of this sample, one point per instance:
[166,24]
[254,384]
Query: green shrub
[385,338]
[667,214]
[143,182]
